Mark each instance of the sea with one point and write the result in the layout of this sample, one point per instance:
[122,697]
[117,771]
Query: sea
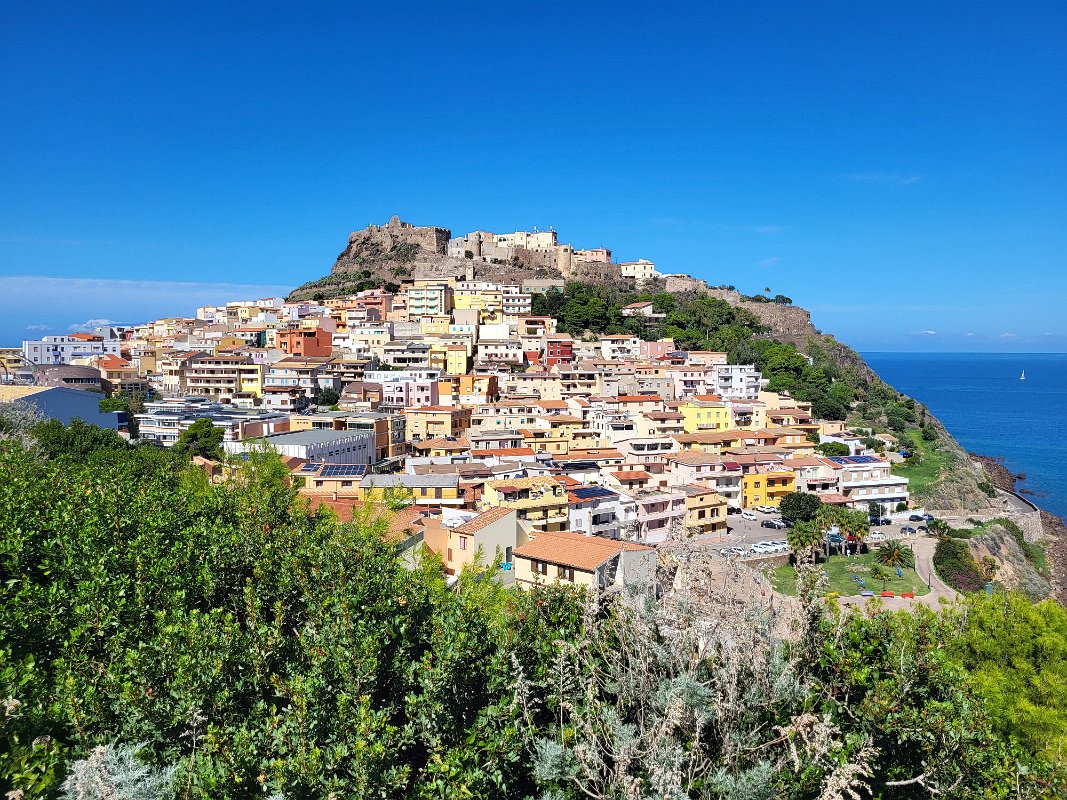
[990,410]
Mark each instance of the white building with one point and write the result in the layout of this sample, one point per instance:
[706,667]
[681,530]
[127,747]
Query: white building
[61,349]
[330,447]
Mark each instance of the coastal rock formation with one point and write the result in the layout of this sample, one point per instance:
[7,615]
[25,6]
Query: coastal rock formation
[1014,570]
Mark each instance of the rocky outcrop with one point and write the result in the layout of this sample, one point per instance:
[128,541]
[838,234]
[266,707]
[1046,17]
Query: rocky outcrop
[1014,570]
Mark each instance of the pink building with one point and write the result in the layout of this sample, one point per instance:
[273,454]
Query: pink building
[650,351]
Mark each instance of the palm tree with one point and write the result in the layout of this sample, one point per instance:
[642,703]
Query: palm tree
[895,554]
[804,537]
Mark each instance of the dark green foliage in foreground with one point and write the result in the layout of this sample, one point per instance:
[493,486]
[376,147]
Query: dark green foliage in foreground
[258,648]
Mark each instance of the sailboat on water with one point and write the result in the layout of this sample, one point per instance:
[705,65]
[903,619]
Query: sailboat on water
[1023,376]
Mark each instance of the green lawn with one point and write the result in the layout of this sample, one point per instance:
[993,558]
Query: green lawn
[926,473]
[841,570]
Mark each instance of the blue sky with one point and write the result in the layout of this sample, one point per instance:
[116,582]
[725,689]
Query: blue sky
[898,169]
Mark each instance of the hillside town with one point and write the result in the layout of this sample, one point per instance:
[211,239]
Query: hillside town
[490,433]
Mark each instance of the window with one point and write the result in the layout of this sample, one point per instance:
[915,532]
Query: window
[463,542]
[756,485]
[565,574]
[539,567]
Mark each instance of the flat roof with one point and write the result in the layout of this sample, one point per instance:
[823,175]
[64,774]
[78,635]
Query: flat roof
[314,436]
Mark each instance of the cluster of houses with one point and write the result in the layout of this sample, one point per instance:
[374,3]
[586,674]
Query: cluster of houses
[500,438]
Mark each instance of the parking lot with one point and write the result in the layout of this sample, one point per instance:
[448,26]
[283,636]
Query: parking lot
[744,533]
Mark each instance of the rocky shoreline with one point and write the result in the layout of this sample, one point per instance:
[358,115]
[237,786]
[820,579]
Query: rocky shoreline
[1053,526]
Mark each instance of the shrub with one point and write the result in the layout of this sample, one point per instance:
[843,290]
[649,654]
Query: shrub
[956,566]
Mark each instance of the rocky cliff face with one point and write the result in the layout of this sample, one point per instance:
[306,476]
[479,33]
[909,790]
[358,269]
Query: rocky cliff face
[1014,570]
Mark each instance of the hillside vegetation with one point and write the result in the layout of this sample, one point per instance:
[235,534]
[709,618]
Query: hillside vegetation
[163,637]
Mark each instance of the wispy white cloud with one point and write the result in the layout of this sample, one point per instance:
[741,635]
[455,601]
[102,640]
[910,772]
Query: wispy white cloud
[58,301]
[768,262]
[38,327]
[1006,336]
[928,333]
[91,324]
[889,178]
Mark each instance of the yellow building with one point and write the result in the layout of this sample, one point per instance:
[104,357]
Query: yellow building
[457,360]
[421,490]
[250,379]
[575,559]
[490,300]
[766,488]
[434,324]
[541,502]
[703,413]
[430,422]
[705,511]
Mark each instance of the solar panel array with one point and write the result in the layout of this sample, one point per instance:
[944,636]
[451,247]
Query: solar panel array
[844,460]
[343,471]
[592,492]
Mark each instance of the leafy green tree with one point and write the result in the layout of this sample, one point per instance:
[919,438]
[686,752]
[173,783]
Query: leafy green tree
[880,573]
[799,507]
[77,440]
[327,397]
[833,449]
[203,439]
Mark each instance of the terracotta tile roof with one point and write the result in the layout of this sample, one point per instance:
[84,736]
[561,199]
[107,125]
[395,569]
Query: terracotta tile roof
[638,398]
[497,452]
[634,475]
[569,549]
[552,404]
[484,519]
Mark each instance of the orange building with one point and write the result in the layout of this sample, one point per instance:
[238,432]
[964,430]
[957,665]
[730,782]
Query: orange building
[314,342]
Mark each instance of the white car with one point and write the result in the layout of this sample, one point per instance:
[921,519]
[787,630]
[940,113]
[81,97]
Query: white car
[733,551]
[761,548]
[875,536]
[766,509]
[749,516]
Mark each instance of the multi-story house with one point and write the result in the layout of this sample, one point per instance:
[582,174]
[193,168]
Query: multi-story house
[705,511]
[620,347]
[573,558]
[766,488]
[289,383]
[539,502]
[216,376]
[430,422]
[63,349]
[600,511]
[740,381]
[867,479]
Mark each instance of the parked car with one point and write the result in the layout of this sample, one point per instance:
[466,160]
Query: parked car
[917,518]
[761,548]
[884,521]
[875,536]
[835,538]
[922,529]
[929,517]
[766,509]
[907,529]
[748,515]
[733,551]
[777,524]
